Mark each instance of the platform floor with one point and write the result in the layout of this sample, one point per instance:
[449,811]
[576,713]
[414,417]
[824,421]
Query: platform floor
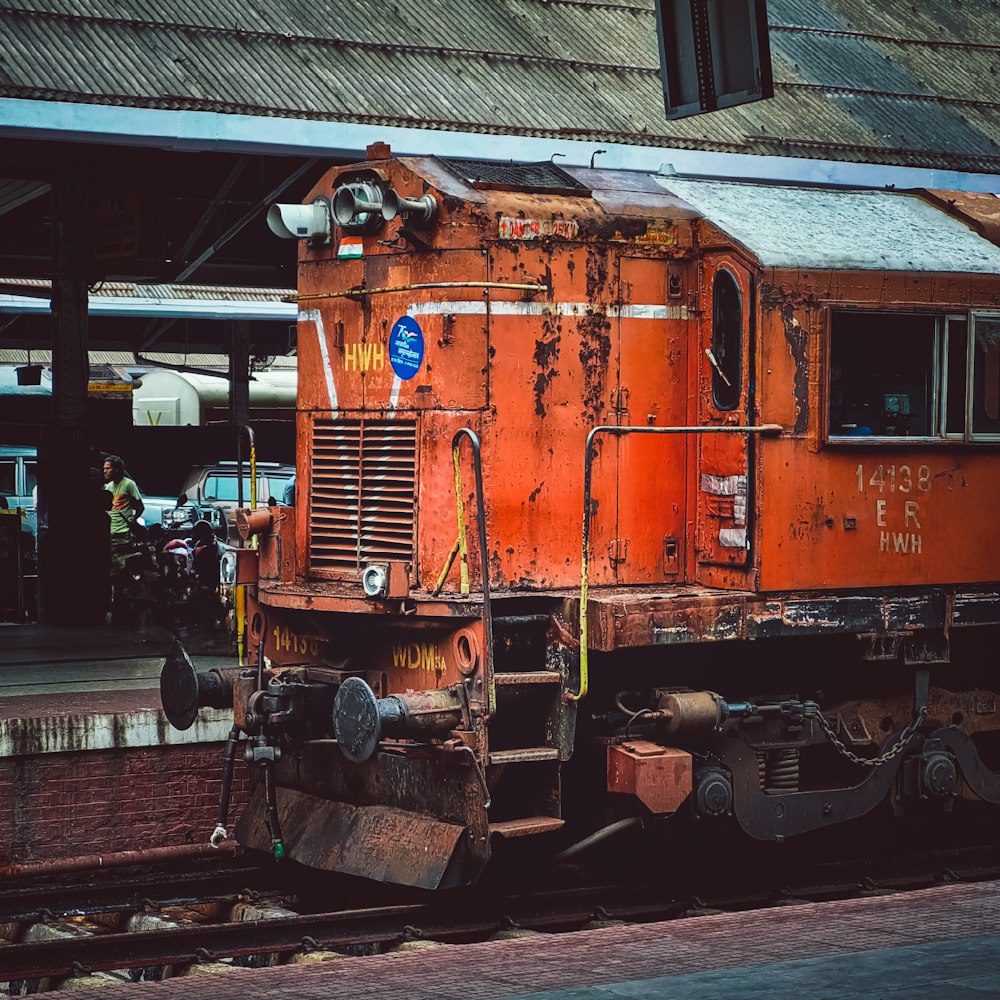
[939,943]
[52,660]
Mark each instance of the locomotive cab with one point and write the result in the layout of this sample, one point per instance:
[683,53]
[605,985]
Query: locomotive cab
[705,454]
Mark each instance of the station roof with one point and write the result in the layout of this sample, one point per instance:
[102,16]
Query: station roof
[125,360]
[897,83]
[126,298]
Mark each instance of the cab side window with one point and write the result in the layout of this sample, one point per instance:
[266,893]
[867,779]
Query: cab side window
[882,374]
[915,375]
[986,377]
[727,341]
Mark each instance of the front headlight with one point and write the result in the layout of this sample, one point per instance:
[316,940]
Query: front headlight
[375,581]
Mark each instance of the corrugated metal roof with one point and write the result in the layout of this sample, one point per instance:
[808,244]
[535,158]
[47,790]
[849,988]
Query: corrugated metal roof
[787,226]
[894,82]
[125,360]
[132,290]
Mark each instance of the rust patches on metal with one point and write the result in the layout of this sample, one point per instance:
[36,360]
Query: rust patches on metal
[619,228]
[496,564]
[595,353]
[813,520]
[116,859]
[798,343]
[873,721]
[659,777]
[559,633]
[526,827]
[371,841]
[546,355]
[597,274]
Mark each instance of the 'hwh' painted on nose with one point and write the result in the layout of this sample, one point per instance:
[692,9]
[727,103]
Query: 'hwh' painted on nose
[364,357]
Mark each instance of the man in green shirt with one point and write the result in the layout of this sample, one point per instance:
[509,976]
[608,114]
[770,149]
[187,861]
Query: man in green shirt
[126,506]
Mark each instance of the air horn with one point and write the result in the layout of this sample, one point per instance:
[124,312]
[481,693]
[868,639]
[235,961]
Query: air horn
[416,211]
[357,204]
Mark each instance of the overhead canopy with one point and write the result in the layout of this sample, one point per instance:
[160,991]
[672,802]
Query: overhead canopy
[166,317]
[159,301]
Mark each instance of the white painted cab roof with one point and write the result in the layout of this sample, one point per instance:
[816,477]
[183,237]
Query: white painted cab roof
[829,228]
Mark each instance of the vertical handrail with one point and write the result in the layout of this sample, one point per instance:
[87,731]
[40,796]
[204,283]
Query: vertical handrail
[242,429]
[461,547]
[621,431]
[477,464]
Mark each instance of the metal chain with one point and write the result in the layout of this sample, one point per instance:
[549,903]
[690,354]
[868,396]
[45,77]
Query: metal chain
[904,739]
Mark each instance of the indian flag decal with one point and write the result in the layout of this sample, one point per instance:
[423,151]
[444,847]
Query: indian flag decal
[350,246]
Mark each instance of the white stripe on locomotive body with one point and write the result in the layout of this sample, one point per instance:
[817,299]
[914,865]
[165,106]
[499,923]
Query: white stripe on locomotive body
[397,384]
[315,316]
[483,308]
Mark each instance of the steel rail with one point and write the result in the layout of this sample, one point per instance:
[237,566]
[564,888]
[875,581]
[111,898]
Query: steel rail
[99,893]
[454,921]
[184,945]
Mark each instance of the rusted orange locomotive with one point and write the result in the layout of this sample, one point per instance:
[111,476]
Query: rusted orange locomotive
[619,497]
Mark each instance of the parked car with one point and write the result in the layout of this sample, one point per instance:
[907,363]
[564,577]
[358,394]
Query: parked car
[216,487]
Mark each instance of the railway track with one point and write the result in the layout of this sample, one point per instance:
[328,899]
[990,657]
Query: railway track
[168,935]
[110,891]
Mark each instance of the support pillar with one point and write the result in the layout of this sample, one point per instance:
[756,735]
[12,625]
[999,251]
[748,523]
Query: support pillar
[239,373]
[72,576]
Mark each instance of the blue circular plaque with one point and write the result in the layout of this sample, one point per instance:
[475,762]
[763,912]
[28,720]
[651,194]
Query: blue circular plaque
[406,347]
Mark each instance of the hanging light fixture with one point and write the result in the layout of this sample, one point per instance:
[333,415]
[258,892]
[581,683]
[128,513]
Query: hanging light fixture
[29,374]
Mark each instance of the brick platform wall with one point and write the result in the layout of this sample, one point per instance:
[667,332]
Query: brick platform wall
[61,805]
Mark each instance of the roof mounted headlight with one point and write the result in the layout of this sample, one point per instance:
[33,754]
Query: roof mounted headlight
[301,222]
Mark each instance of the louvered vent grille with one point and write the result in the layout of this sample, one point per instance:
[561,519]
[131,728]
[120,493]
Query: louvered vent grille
[362,494]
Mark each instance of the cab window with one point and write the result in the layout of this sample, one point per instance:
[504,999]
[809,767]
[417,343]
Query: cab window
[727,341]
[881,374]
[986,378]
[914,375]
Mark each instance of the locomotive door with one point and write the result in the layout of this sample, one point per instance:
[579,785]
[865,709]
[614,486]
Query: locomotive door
[651,392]
[723,392]
[546,407]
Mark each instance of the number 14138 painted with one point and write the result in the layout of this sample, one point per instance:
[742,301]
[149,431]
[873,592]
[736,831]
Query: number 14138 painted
[897,479]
